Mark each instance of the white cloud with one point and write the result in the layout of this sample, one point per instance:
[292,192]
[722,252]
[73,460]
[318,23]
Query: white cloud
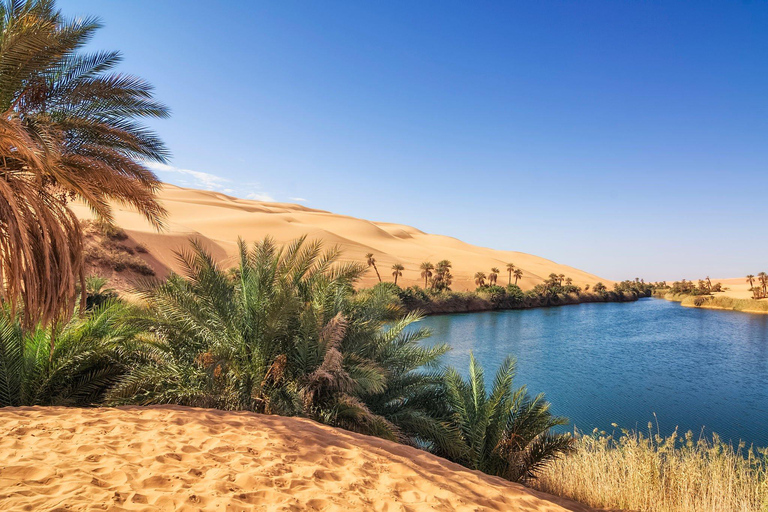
[297,199]
[260,196]
[207,181]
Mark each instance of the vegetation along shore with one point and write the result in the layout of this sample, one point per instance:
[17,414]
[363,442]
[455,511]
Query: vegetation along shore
[258,373]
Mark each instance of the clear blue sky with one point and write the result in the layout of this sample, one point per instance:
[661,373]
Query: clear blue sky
[624,138]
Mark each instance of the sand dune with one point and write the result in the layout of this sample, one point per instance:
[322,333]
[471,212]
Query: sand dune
[177,458]
[219,220]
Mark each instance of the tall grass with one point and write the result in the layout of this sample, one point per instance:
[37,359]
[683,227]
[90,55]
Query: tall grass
[648,472]
[722,302]
[716,302]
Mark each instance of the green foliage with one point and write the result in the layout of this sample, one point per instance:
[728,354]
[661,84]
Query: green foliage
[506,432]
[73,364]
[286,334]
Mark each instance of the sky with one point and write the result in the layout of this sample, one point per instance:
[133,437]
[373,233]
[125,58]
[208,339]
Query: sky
[628,139]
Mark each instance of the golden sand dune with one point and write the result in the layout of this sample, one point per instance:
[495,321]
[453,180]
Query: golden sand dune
[177,458]
[218,220]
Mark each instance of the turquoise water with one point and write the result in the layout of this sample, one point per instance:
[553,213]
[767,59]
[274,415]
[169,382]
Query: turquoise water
[621,363]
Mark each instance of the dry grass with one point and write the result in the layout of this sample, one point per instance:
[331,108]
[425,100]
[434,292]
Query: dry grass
[109,247]
[721,302]
[651,473]
[717,302]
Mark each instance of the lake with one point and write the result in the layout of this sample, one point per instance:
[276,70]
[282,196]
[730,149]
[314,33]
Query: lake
[622,362]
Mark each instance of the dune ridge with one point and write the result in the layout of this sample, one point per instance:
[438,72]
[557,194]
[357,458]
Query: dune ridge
[218,220]
[181,458]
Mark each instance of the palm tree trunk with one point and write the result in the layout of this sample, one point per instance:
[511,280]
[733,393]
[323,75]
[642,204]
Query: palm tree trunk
[510,278]
[377,272]
[516,280]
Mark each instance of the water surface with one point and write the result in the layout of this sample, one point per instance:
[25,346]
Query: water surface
[623,362]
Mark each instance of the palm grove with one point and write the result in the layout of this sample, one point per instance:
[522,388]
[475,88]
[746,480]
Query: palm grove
[284,332]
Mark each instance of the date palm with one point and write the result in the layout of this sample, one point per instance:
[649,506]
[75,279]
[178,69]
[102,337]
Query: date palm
[426,272]
[397,271]
[507,433]
[751,280]
[372,263]
[568,281]
[443,277]
[91,354]
[510,269]
[285,333]
[493,276]
[480,278]
[68,131]
[763,277]
[518,275]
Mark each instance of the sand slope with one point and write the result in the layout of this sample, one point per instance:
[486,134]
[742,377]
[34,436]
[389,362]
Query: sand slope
[218,220]
[176,458]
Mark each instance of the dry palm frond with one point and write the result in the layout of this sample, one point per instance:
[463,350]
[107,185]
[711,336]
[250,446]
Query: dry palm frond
[67,131]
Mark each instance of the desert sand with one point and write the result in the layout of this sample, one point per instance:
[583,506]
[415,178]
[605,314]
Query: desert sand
[737,288]
[218,220]
[179,458]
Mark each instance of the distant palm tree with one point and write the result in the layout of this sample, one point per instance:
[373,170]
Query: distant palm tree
[397,271]
[568,281]
[553,280]
[372,263]
[751,280]
[560,279]
[763,281]
[68,130]
[709,283]
[426,272]
[518,275]
[510,269]
[493,276]
[443,277]
[480,278]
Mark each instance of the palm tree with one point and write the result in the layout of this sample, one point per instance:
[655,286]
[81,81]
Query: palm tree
[426,272]
[480,278]
[763,281]
[372,263]
[286,334]
[493,276]
[97,292]
[68,130]
[560,279]
[510,269]
[568,281]
[750,280]
[443,277]
[709,283]
[554,280]
[397,271]
[507,433]
[92,353]
[518,275]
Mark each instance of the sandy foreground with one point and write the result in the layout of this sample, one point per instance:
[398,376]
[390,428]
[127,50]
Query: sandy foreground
[179,458]
[218,220]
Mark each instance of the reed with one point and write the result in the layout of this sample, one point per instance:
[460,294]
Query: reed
[636,471]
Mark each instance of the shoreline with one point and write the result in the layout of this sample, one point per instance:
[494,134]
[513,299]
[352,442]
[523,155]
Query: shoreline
[468,302]
[721,303]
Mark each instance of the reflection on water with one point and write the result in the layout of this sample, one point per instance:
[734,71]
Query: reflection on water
[604,363]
